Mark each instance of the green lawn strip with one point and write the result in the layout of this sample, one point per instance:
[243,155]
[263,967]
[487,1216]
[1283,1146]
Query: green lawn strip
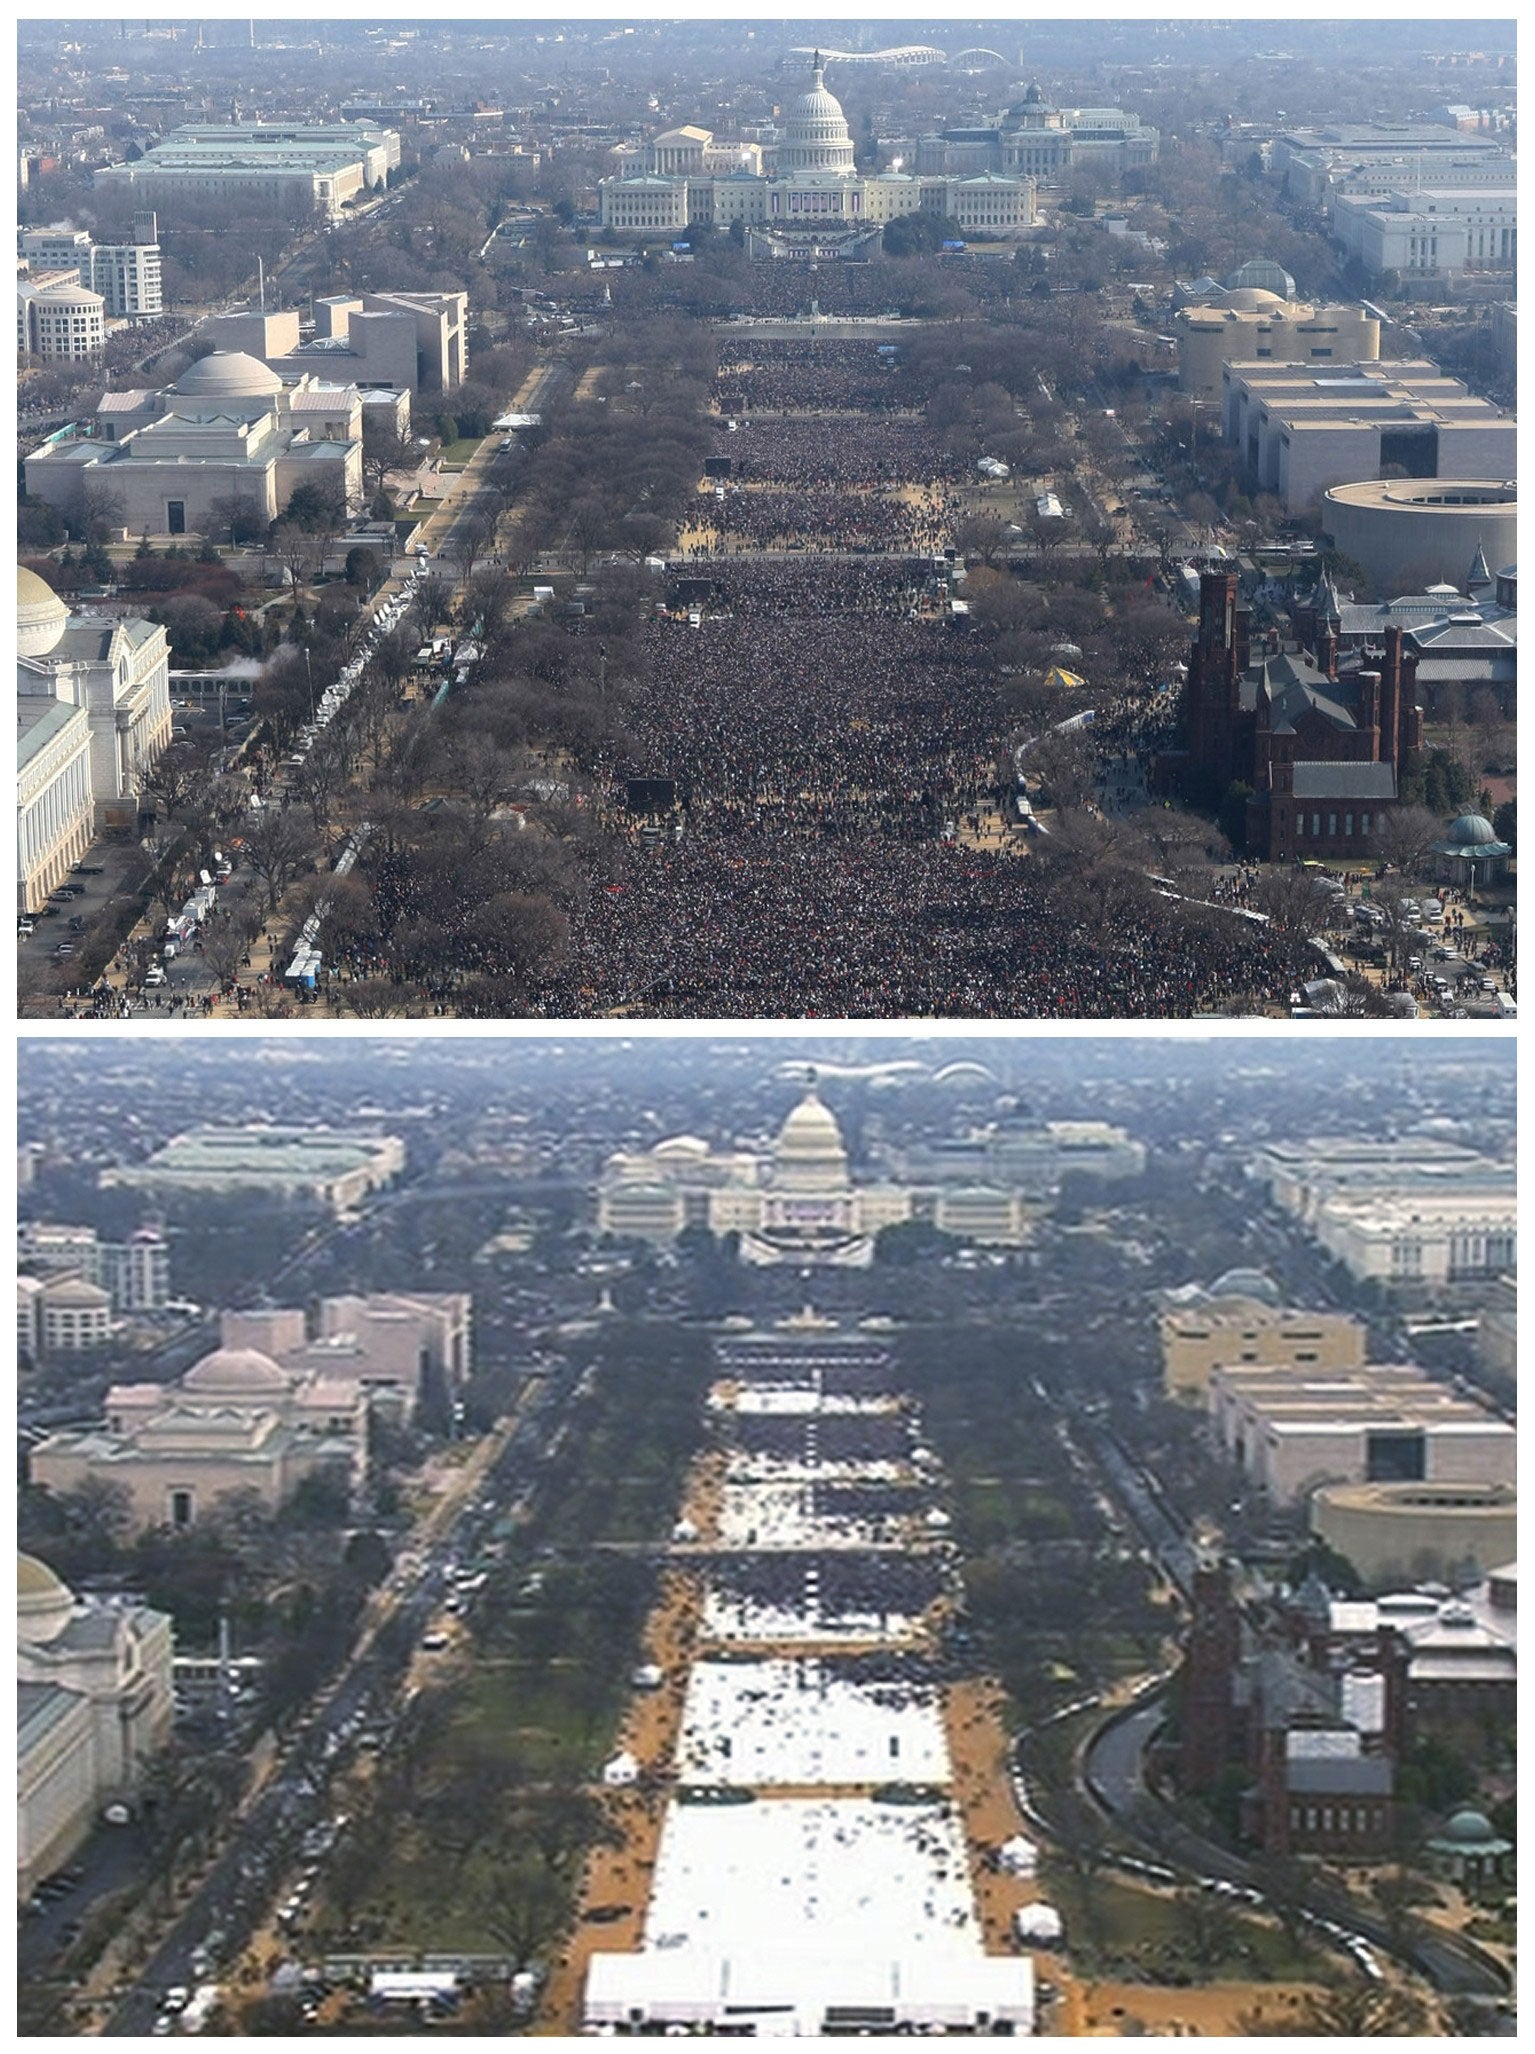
[1116,1929]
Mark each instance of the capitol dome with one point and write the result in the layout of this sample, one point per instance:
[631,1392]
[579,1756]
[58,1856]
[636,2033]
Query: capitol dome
[809,1154]
[228,374]
[44,1602]
[236,1373]
[41,615]
[815,134]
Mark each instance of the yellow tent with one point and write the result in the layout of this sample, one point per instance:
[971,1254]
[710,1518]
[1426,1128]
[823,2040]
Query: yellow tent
[1057,676]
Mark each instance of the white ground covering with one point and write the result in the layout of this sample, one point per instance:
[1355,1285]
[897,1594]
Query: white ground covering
[812,1879]
[781,1515]
[729,1617]
[789,1721]
[747,1468]
[777,1400]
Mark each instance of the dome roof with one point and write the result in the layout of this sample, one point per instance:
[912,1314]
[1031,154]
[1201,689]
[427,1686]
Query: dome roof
[811,1124]
[682,1145]
[1470,829]
[1246,1283]
[1470,1828]
[44,1602]
[228,374]
[814,135]
[41,615]
[816,105]
[236,1372]
[1252,299]
[809,1153]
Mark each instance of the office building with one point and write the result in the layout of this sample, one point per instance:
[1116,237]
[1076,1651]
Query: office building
[403,341]
[1300,1177]
[126,275]
[135,1273]
[1315,164]
[58,320]
[1293,1430]
[1420,1244]
[296,169]
[62,1314]
[323,1164]
[1301,431]
[1429,231]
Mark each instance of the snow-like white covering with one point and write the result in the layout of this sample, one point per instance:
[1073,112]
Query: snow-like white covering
[812,1878]
[801,1722]
[783,1515]
[750,1468]
[734,1617]
[778,1400]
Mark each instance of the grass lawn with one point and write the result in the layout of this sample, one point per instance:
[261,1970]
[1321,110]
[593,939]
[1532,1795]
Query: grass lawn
[534,1709]
[1143,1934]
[454,455]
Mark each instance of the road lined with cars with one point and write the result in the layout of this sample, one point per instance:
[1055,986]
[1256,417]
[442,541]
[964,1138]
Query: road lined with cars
[358,1711]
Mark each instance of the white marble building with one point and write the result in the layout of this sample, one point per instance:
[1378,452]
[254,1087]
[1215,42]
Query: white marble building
[93,715]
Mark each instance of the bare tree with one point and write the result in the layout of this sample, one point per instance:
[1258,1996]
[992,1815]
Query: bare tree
[1405,834]
[297,550]
[1294,900]
[277,849]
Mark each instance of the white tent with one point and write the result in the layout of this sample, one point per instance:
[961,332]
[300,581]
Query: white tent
[1018,1856]
[1039,1924]
[623,1768]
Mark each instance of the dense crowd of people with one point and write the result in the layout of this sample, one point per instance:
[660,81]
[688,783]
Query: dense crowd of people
[771,591]
[820,376]
[833,724]
[754,924]
[827,517]
[843,454]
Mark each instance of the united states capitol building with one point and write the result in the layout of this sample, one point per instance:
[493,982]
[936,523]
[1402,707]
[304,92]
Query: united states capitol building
[798,1202]
[799,195]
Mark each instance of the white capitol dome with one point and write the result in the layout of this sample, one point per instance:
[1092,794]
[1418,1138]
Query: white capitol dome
[815,135]
[809,1154]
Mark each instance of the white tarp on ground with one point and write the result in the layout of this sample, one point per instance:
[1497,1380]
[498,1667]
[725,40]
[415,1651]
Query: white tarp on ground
[802,1722]
[733,1616]
[820,1877]
[775,1399]
[747,1467]
[807,1906]
[784,1515]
